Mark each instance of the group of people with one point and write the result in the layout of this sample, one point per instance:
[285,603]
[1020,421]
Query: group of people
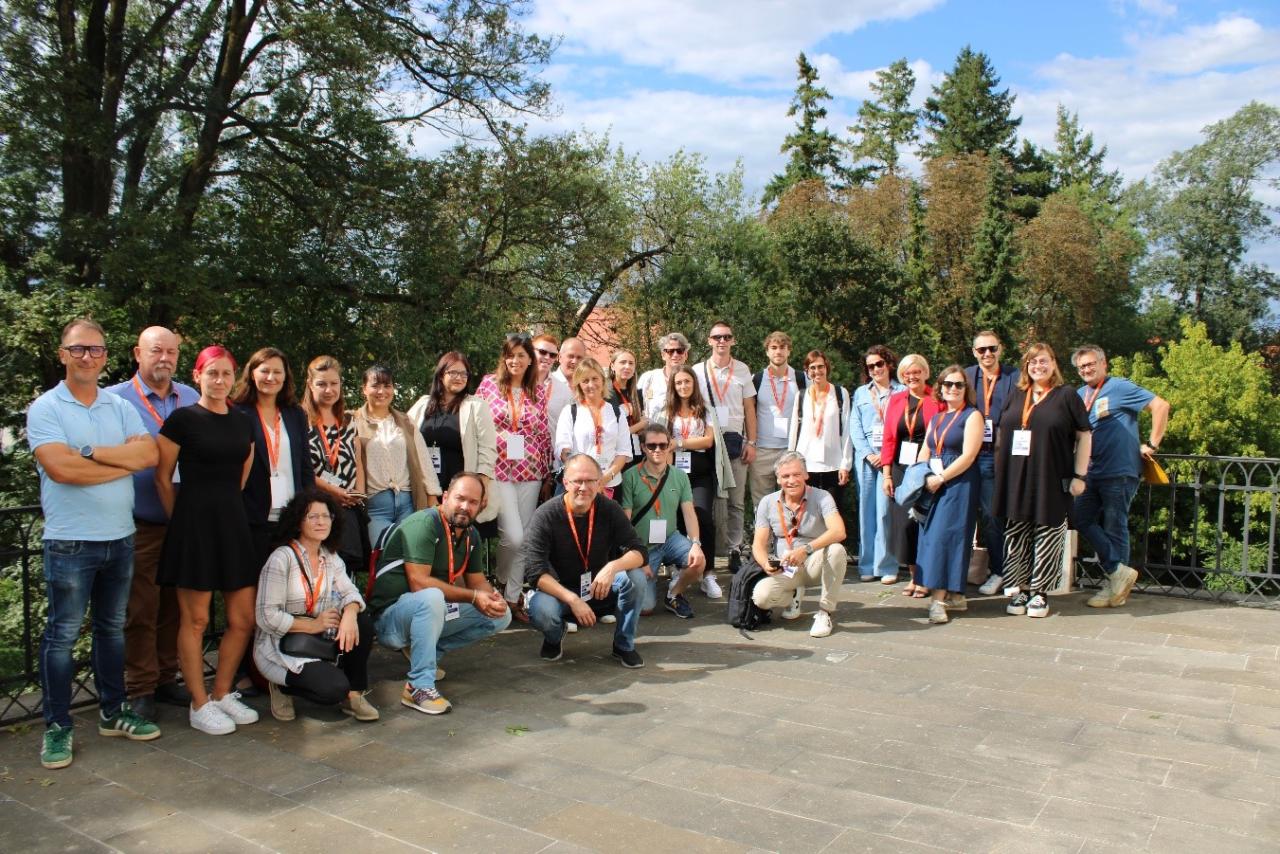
[156,494]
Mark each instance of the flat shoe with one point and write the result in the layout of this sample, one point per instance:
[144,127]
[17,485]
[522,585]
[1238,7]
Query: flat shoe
[919,593]
[889,579]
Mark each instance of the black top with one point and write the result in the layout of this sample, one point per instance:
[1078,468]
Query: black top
[1033,488]
[444,431]
[549,545]
[257,490]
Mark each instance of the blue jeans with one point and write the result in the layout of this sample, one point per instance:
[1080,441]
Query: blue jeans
[78,573]
[873,524]
[547,613]
[1102,515]
[674,552]
[992,528]
[417,620]
[386,508]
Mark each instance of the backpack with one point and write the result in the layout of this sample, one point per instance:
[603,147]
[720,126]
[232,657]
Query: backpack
[742,611]
[617,413]
[802,381]
[375,554]
[839,408]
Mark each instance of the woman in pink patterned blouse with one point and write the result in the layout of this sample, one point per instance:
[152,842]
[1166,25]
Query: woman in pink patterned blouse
[519,407]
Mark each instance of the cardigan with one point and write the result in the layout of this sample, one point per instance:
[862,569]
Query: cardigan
[422,479]
[479,443]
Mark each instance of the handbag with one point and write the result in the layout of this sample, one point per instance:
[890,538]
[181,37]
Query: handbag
[306,644]
[1153,472]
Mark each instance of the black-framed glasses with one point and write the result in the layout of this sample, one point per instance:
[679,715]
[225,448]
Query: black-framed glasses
[953,383]
[656,446]
[457,375]
[816,366]
[78,351]
[875,366]
[674,351]
[722,337]
[990,348]
[546,354]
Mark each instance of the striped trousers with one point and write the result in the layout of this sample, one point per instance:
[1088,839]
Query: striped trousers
[1033,555]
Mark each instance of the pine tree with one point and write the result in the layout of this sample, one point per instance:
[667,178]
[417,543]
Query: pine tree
[1075,161]
[993,258]
[1032,181]
[886,122]
[966,113]
[814,152]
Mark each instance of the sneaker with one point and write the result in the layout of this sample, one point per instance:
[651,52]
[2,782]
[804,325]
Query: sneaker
[821,625]
[1017,605]
[550,651]
[236,710]
[359,708]
[55,749]
[426,700]
[710,587]
[889,580]
[1037,606]
[129,724]
[992,585]
[957,602]
[1115,588]
[792,611]
[680,606]
[629,658]
[210,719]
[571,627]
[281,703]
[938,612]
[608,619]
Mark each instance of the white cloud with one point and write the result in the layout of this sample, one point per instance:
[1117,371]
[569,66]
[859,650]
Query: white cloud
[1230,41]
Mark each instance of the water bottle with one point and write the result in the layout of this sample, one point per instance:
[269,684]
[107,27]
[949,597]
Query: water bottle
[330,602]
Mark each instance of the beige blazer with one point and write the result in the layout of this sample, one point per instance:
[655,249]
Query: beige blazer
[479,442]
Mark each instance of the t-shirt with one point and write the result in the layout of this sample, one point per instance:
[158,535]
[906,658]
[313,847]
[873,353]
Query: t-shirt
[726,389]
[774,404]
[652,386]
[636,492]
[549,545]
[818,506]
[1033,487]
[1113,414]
[420,539]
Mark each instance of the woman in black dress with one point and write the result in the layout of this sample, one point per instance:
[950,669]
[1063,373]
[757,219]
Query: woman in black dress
[1042,455]
[207,546]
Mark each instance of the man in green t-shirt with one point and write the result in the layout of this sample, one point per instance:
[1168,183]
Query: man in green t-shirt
[658,489]
[430,594]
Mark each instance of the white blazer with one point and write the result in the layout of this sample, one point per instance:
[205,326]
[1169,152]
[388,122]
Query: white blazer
[479,443]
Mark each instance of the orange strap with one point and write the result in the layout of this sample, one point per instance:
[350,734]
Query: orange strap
[940,435]
[273,445]
[573,528]
[310,593]
[818,416]
[142,395]
[330,452]
[790,533]
[1090,398]
[779,400]
[448,536]
[1028,407]
[516,412]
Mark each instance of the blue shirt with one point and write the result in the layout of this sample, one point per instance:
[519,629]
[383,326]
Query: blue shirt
[865,427]
[1113,414]
[1006,383]
[146,501]
[95,513]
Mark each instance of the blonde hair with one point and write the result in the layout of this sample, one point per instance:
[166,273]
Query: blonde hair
[910,360]
[585,368]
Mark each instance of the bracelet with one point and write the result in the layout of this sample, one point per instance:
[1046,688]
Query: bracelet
[474,595]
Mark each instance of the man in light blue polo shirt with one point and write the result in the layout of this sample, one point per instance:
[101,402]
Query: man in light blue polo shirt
[151,621]
[1102,510]
[87,444]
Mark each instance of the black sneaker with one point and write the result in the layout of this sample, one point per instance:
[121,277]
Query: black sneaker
[1018,605]
[629,658]
[680,606]
[550,651]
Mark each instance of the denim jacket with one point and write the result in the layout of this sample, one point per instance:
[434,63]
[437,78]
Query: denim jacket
[863,418]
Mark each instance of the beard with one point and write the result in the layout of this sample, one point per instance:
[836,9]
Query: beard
[460,519]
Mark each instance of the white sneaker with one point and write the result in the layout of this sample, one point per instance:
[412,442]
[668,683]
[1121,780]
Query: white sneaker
[937,612]
[710,587]
[236,710]
[797,602]
[991,585]
[210,719]
[608,619]
[821,625]
[1037,606]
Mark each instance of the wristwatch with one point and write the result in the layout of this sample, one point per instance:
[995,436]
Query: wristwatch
[86,451]
[695,542]
[808,550]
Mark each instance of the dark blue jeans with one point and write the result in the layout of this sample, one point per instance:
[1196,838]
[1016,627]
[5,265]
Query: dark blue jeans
[992,528]
[79,573]
[1102,515]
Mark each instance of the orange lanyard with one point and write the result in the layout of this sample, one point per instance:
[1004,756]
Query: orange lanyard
[310,593]
[516,412]
[143,397]
[273,447]
[330,452]
[1028,407]
[779,400]
[686,426]
[939,435]
[912,417]
[623,401]
[1089,399]
[591,529]
[820,415]
[791,533]
[715,384]
[988,389]
[448,537]
[597,418]
[653,489]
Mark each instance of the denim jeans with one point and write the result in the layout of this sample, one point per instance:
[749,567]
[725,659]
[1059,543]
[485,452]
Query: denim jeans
[547,613]
[991,527]
[674,552]
[1102,515]
[79,573]
[873,525]
[417,620]
[385,509]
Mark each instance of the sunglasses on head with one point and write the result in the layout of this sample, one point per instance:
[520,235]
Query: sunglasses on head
[990,348]
[875,366]
[953,383]
[656,446]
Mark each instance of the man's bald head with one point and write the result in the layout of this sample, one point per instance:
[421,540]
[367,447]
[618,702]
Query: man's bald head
[157,356]
[572,351]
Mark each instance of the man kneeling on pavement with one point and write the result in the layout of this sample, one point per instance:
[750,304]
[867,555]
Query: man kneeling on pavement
[430,595]
[582,558]
[651,493]
[799,541]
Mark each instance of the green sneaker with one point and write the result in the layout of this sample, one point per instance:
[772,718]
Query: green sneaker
[56,750]
[128,723]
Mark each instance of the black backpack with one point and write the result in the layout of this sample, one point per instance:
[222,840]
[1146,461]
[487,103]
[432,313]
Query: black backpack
[742,612]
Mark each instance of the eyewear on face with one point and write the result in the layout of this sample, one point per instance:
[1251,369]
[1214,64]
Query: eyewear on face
[656,446]
[913,375]
[319,517]
[583,483]
[953,383]
[728,337]
[1085,366]
[78,351]
[456,375]
[545,354]
[816,366]
[990,348]
[1040,363]
[875,366]
[674,351]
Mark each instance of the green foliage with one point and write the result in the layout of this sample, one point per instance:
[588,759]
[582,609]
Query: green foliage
[1075,161]
[814,151]
[886,124]
[966,113]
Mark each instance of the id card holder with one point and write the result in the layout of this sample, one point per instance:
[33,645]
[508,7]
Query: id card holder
[988,431]
[635,444]
[584,587]
[515,446]
[1102,408]
[722,415]
[935,465]
[452,611]
[434,450]
[279,496]
[1021,443]
[657,531]
[684,461]
[908,452]
[789,570]
[177,476]
[331,478]
[781,425]
[877,437]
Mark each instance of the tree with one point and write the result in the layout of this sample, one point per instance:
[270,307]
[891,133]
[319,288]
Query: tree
[966,114]
[813,151]
[886,122]
[1075,161]
[992,260]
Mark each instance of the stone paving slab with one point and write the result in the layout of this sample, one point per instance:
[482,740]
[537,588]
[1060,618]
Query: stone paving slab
[1147,728]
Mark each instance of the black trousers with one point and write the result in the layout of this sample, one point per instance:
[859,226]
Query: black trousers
[830,481]
[327,683]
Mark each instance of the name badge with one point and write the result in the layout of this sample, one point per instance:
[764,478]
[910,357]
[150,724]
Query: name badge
[331,478]
[584,586]
[434,450]
[684,461]
[452,611]
[781,425]
[789,570]
[935,465]
[177,477]
[907,453]
[657,531]
[1101,408]
[722,415]
[988,431]
[603,460]
[515,446]
[1021,443]
[877,437]
[279,492]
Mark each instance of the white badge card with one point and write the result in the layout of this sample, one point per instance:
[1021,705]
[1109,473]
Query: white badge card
[1101,408]
[684,461]
[434,450]
[515,446]
[877,437]
[177,477]
[584,586]
[988,431]
[452,611]
[935,465]
[908,452]
[279,492]
[331,478]
[657,531]
[781,425]
[722,415]
[789,570]
[1021,443]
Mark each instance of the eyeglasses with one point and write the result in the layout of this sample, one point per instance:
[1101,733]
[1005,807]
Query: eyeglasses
[724,337]
[1042,362]
[875,366]
[457,375]
[319,517]
[545,354]
[1085,366]
[656,446]
[913,375]
[816,366]
[674,351]
[953,383]
[582,483]
[78,351]
[990,348]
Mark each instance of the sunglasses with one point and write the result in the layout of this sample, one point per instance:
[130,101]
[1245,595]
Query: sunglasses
[953,383]
[546,354]
[722,337]
[674,351]
[656,446]
[875,366]
[990,348]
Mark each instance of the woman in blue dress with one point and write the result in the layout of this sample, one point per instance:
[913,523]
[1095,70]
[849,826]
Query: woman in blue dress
[953,439]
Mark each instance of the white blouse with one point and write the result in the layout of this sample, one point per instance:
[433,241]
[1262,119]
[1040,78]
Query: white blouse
[579,436]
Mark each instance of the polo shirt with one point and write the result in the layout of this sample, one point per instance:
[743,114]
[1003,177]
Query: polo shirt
[420,538]
[146,500]
[818,506]
[636,493]
[1113,414]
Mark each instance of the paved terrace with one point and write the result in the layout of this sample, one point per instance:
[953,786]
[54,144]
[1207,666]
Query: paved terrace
[1151,728]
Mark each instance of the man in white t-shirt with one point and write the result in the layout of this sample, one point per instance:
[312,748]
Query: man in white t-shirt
[777,387]
[652,385]
[572,351]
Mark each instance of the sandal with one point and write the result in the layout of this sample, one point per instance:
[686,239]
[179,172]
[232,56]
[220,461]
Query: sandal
[910,589]
[919,593]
